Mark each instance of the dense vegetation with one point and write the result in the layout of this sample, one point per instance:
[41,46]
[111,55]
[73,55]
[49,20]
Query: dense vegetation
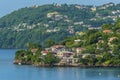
[27,56]
[100,48]
[37,24]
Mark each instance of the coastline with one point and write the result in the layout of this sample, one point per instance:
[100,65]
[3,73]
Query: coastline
[65,65]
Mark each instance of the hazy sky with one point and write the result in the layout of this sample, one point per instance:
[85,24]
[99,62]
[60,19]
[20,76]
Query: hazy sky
[7,6]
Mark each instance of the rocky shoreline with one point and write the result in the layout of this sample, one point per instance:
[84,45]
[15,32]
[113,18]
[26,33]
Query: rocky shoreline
[18,62]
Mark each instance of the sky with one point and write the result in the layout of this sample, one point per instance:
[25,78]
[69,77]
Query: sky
[8,6]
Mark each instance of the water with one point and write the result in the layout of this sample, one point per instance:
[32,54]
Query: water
[9,71]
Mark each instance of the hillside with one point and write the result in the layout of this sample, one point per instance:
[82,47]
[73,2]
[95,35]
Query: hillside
[93,48]
[38,24]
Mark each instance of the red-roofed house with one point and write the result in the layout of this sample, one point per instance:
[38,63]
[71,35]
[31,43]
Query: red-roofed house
[107,31]
[56,48]
[44,52]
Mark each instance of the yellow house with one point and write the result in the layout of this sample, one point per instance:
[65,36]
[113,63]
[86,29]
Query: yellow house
[62,54]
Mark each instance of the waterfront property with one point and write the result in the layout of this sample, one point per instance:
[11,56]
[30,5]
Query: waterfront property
[14,72]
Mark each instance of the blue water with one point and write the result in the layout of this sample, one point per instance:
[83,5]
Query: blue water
[9,71]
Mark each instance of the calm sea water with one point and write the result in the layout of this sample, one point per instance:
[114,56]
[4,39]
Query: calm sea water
[9,71]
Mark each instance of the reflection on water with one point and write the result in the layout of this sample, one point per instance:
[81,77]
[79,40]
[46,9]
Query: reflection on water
[14,72]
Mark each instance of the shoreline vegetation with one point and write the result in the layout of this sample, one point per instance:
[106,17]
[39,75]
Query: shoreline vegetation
[67,65]
[93,48]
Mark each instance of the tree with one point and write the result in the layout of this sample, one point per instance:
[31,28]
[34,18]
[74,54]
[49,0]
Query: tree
[107,56]
[20,54]
[50,42]
[50,59]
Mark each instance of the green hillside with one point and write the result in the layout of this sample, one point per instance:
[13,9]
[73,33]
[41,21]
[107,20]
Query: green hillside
[93,48]
[39,24]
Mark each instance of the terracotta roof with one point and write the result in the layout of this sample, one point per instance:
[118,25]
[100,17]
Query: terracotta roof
[106,31]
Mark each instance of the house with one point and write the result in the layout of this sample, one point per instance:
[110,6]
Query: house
[107,31]
[80,33]
[57,48]
[58,17]
[69,60]
[51,14]
[44,52]
[34,50]
[79,7]
[79,50]
[67,54]
[57,5]
[88,55]
[72,60]
[62,54]
[110,40]
[78,23]
[77,41]
[93,9]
